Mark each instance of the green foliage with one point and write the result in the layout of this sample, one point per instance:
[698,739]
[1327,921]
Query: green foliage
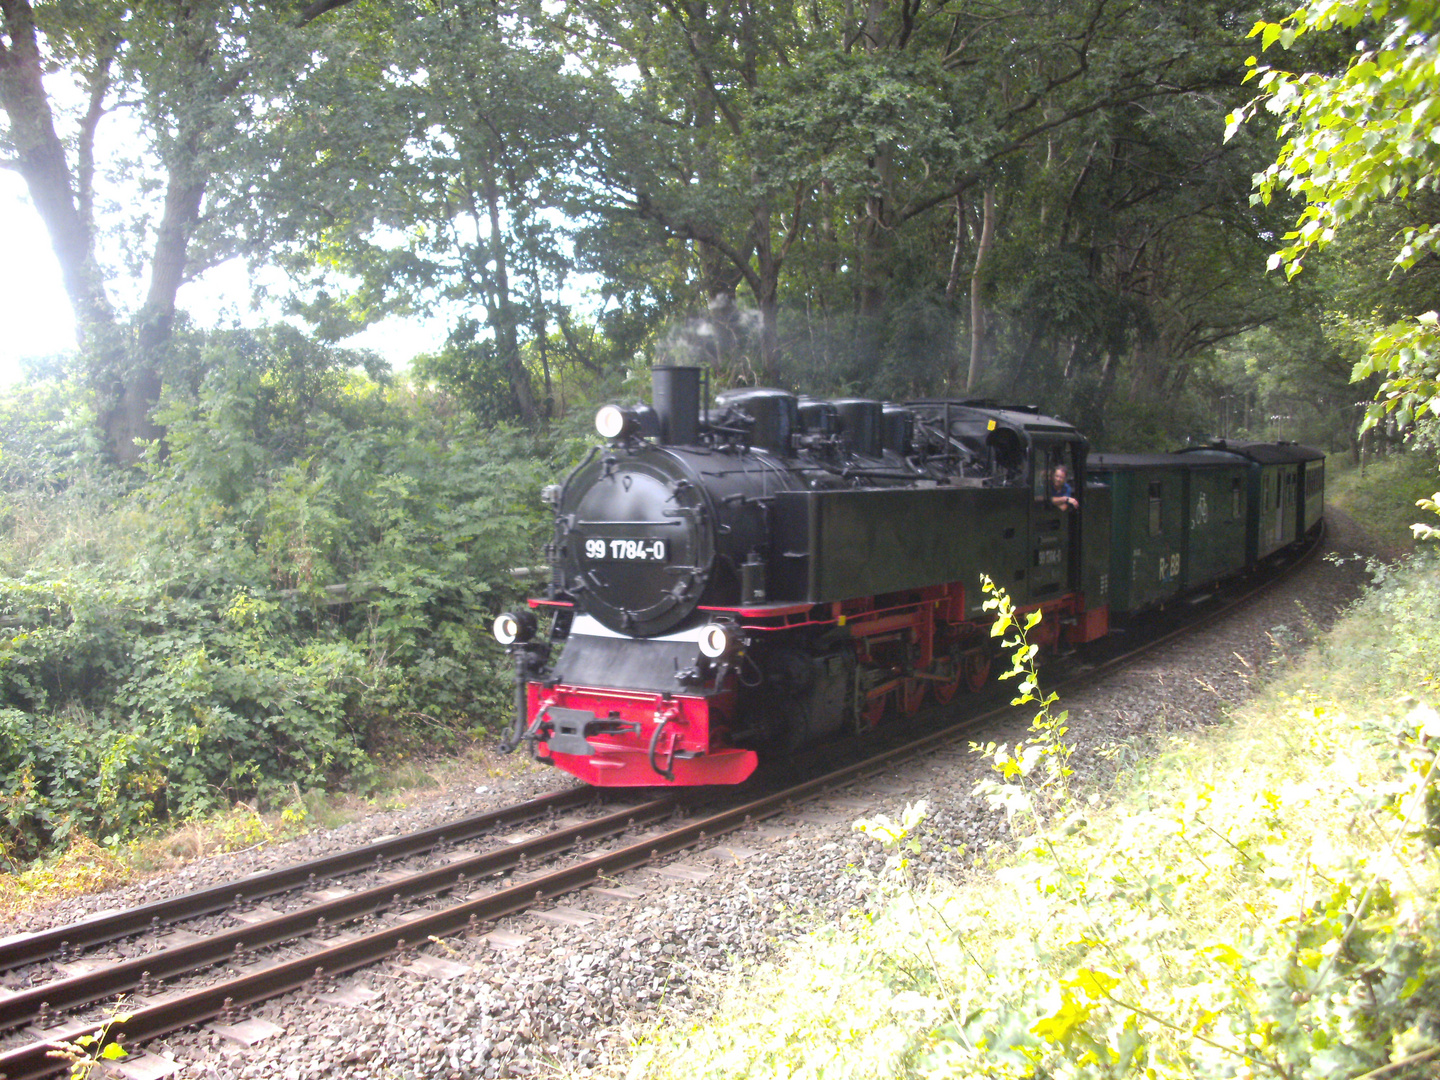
[306,578]
[470,368]
[820,170]
[1034,773]
[124,706]
[1384,494]
[85,1053]
[1298,368]
[899,839]
[55,489]
[1354,144]
[1407,355]
[803,183]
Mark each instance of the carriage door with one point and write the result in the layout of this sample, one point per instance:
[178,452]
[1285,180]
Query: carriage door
[1052,528]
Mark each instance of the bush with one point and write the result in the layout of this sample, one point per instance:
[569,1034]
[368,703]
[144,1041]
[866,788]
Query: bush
[123,706]
[305,574]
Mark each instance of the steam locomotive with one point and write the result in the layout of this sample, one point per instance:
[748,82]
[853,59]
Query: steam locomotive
[765,571]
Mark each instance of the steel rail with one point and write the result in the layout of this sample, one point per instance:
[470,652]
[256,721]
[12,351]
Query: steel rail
[148,1021]
[151,1020]
[42,945]
[27,1006]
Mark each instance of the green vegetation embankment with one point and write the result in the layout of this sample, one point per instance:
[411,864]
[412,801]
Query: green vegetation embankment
[1256,900]
[1382,496]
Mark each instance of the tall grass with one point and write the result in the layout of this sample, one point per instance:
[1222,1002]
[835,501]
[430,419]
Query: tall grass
[1382,497]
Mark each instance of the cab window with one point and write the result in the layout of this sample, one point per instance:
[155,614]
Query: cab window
[1046,462]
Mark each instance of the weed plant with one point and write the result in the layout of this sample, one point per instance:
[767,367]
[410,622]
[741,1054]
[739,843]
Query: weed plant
[1260,900]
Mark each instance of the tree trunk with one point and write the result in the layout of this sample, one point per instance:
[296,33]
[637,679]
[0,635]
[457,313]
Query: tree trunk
[542,340]
[767,292]
[1108,371]
[126,370]
[768,302]
[977,305]
[719,279]
[137,389]
[878,229]
[952,283]
[40,160]
[502,310]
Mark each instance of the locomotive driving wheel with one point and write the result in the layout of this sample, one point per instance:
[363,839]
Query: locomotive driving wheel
[975,666]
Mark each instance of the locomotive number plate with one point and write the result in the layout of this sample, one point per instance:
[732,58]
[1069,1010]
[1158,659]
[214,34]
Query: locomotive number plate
[598,550]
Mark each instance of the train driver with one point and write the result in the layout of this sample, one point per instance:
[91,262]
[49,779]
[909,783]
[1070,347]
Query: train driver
[1061,492]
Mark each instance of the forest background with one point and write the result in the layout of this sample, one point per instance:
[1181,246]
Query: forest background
[244,561]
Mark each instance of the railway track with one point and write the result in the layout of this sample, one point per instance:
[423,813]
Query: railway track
[383,910]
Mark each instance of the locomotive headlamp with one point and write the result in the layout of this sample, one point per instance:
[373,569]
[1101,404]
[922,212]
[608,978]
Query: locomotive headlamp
[715,641]
[613,422]
[512,627]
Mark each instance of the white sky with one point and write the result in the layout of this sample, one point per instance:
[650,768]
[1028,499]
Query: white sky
[35,317]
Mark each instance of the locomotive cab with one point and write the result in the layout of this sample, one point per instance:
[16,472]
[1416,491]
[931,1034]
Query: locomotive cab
[1020,450]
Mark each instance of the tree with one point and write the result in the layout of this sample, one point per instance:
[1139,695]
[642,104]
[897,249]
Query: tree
[1124,269]
[196,79]
[1356,146]
[456,186]
[841,162]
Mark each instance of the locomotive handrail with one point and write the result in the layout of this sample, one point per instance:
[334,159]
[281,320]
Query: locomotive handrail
[664,716]
[618,522]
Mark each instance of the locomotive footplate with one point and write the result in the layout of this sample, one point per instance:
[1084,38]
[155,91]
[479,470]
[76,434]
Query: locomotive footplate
[571,726]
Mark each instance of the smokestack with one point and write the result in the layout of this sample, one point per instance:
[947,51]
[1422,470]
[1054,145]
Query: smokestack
[675,393]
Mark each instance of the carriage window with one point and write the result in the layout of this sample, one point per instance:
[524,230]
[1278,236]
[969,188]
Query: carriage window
[1156,491]
[1236,495]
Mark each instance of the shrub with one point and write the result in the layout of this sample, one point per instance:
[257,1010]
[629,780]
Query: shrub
[305,574]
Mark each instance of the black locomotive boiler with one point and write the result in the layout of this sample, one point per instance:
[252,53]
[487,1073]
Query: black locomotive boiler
[767,570]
